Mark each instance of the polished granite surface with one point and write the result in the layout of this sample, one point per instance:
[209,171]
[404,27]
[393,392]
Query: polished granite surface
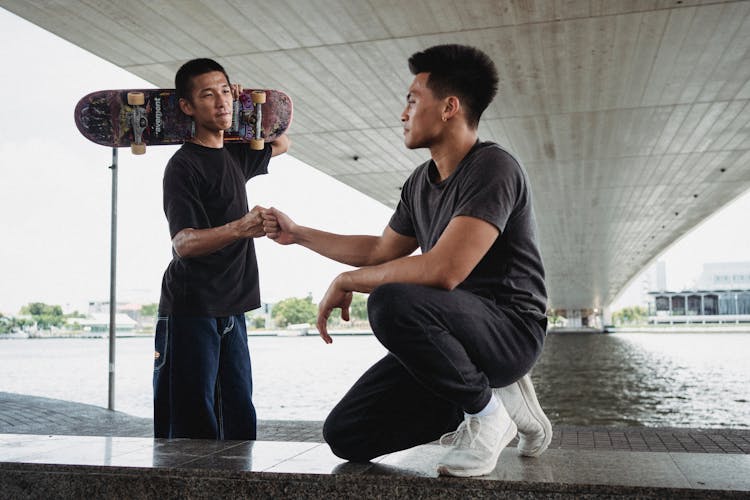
[704,471]
[59,449]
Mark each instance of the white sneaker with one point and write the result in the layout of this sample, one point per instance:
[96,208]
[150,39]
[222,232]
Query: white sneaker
[477,444]
[534,428]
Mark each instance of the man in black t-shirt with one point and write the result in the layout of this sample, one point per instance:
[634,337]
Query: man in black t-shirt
[202,372]
[464,321]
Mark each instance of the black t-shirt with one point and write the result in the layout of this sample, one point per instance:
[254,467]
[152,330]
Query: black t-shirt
[205,188]
[491,185]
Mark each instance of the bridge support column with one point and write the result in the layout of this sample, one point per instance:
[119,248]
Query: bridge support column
[584,319]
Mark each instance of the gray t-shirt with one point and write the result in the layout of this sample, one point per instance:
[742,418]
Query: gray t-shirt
[491,185]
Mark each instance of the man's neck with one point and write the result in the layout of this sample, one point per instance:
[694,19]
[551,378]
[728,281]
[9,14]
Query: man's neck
[449,153]
[209,139]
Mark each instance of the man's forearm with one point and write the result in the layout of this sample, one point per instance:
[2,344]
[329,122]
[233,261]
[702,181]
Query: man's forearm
[198,242]
[352,250]
[415,269]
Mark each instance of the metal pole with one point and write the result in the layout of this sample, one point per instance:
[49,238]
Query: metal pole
[112,283]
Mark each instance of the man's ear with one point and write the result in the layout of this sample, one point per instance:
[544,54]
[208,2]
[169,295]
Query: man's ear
[186,107]
[451,107]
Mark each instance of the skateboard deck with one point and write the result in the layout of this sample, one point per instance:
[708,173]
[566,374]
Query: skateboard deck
[136,118]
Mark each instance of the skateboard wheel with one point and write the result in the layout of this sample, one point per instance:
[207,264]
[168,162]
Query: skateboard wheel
[136,98]
[257,144]
[258,97]
[138,149]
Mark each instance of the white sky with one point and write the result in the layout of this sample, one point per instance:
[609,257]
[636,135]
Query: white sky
[55,196]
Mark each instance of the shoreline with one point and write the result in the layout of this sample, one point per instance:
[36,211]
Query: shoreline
[668,329]
[701,328]
[121,335]
[679,328]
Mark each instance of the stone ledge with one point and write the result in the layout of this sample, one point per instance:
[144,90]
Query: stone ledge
[18,480]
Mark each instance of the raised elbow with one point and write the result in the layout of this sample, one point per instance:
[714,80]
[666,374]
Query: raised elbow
[181,244]
[448,278]
[449,282]
[180,251]
[443,273]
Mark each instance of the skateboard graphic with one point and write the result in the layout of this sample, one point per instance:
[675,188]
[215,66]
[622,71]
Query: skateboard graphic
[141,117]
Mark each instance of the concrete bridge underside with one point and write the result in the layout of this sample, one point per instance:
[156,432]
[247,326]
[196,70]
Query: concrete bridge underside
[630,116]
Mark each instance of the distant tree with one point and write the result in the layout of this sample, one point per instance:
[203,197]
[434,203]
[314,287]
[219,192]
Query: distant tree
[357,311]
[636,315]
[554,319]
[9,324]
[41,309]
[358,308]
[258,322]
[44,315]
[295,310]
[6,324]
[253,320]
[149,310]
[617,318]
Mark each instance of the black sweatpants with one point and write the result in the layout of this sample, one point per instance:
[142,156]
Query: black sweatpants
[446,350]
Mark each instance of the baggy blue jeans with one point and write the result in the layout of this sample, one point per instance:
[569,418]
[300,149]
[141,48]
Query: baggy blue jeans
[203,379]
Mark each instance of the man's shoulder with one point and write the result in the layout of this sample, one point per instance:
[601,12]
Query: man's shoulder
[181,155]
[420,172]
[492,160]
[184,158]
[421,167]
[495,152]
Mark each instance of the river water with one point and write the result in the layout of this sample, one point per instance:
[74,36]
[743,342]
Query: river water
[625,379]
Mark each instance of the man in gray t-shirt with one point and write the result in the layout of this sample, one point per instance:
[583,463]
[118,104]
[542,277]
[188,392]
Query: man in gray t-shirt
[464,320]
[488,184]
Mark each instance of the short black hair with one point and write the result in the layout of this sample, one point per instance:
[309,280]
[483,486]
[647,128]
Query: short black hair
[183,80]
[459,70]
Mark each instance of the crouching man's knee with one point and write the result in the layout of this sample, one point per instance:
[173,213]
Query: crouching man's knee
[344,443]
[395,310]
[388,303]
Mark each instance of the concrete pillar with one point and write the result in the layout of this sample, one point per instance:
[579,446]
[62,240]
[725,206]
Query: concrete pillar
[574,318]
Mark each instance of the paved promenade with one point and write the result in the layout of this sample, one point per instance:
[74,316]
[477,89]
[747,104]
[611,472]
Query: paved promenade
[21,414]
[43,441]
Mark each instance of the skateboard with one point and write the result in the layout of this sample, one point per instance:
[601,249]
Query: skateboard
[141,117]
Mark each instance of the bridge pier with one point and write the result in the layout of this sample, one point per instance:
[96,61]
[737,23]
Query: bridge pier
[586,319]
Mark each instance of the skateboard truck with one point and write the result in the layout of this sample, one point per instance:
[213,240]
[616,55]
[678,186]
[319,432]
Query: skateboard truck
[138,121]
[235,117]
[259,98]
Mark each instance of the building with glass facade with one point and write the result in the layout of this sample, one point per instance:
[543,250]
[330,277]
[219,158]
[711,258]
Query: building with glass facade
[722,295]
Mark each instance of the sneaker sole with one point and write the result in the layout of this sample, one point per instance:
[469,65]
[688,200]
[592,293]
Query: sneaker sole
[445,470]
[529,397]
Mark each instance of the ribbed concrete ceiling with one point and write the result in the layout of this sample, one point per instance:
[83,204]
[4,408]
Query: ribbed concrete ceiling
[630,116]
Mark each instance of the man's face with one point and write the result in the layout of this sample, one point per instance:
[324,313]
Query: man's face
[211,102]
[422,117]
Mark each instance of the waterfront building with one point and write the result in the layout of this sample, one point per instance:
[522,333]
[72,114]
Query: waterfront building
[721,295]
[98,323]
[131,310]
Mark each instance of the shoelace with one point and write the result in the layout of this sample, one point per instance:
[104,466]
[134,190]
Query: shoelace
[464,436]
